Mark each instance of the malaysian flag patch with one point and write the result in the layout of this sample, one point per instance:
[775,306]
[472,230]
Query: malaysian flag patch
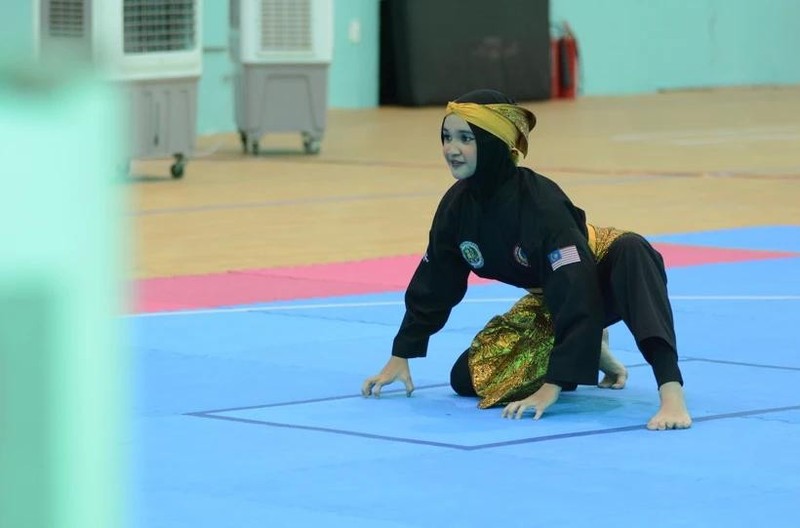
[563,256]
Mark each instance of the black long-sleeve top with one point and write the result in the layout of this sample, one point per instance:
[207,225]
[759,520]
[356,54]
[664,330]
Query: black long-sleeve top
[524,236]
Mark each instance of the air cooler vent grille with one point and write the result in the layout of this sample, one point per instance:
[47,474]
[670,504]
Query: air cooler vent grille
[65,19]
[157,26]
[286,26]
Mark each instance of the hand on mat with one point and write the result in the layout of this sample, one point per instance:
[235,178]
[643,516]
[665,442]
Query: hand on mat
[539,400]
[395,369]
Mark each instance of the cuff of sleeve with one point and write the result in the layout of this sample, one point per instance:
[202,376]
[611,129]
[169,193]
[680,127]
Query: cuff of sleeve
[566,386]
[410,348]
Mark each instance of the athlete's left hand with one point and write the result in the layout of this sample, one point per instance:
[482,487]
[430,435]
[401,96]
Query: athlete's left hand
[539,401]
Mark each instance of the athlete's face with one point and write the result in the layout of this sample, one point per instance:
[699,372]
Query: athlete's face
[459,147]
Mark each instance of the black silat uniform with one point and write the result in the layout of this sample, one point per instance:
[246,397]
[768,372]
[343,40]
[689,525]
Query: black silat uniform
[513,225]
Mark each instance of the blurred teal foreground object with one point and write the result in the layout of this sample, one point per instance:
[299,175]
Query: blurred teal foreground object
[63,387]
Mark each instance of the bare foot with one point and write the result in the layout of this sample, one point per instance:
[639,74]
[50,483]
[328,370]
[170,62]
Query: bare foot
[673,413]
[615,372]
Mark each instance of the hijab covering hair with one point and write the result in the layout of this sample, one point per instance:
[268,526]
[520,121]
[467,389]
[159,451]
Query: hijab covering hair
[501,129]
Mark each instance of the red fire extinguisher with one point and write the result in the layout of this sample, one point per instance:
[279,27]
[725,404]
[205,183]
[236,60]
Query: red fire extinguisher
[564,64]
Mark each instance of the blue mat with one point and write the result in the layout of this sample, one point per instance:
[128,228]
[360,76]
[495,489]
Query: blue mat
[765,238]
[251,417]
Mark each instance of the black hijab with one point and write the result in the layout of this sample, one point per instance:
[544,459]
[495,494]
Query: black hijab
[494,165]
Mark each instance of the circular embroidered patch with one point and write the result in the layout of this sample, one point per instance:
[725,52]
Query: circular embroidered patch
[472,254]
[520,256]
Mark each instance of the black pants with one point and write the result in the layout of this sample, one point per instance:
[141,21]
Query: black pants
[633,283]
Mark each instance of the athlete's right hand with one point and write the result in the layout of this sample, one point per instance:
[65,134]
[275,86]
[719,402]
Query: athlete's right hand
[396,369]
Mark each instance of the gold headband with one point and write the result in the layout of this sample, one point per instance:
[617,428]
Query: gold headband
[509,122]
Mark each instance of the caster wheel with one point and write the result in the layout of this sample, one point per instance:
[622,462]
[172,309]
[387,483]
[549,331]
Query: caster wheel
[243,139]
[311,144]
[312,147]
[177,168]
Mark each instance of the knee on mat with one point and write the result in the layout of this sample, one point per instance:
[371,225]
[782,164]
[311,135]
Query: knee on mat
[460,378]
